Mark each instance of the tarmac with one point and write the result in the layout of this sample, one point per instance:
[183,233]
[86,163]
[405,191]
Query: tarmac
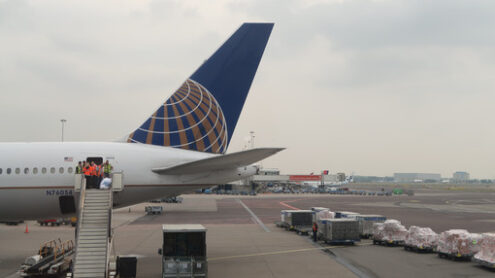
[243,241]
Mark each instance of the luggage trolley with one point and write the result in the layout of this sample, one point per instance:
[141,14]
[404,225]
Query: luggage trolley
[184,251]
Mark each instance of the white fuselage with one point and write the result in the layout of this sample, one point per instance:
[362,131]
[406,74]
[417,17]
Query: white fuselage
[27,192]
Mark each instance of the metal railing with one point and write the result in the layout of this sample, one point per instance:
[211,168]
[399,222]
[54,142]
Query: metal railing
[110,233]
[82,196]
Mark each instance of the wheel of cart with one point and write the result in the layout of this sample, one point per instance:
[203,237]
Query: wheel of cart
[486,264]
[454,256]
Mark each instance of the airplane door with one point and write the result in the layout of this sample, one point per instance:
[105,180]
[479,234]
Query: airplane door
[96,159]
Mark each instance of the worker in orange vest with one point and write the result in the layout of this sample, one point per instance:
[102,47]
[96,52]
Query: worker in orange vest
[87,174]
[94,178]
[315,231]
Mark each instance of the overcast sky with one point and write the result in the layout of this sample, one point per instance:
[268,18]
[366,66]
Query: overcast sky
[371,87]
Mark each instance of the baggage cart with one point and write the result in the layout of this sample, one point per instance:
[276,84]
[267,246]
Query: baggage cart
[366,222]
[339,231]
[418,249]
[315,211]
[389,233]
[486,255]
[455,256]
[184,251]
[152,210]
[53,258]
[389,243]
[296,218]
[303,230]
[420,240]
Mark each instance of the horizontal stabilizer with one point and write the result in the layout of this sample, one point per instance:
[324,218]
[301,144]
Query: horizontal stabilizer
[217,163]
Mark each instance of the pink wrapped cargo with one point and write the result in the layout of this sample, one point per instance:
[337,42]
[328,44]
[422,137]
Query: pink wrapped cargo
[486,255]
[420,239]
[458,244]
[377,232]
[392,233]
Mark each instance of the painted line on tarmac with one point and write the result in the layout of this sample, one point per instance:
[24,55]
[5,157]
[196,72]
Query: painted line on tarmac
[254,216]
[289,206]
[280,252]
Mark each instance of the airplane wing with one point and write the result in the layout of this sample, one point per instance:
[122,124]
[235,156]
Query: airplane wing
[221,162]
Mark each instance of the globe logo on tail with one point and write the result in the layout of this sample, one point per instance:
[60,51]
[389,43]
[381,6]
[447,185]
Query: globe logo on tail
[190,119]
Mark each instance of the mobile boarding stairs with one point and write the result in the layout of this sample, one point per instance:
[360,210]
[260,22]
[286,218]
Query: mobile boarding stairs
[94,235]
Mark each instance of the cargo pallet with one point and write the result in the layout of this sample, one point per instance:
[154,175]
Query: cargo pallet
[366,236]
[484,263]
[455,256]
[418,249]
[390,243]
[342,242]
[280,224]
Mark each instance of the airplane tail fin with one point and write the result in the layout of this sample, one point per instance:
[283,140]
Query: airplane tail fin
[202,114]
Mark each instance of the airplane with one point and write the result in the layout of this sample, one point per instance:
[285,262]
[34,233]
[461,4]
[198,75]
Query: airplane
[332,184]
[179,148]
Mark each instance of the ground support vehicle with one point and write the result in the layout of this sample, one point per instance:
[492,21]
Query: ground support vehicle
[51,222]
[184,251]
[152,210]
[53,258]
[174,199]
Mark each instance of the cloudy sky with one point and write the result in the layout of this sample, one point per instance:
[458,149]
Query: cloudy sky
[371,87]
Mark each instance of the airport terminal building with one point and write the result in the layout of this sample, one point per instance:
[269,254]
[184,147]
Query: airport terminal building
[416,177]
[459,177]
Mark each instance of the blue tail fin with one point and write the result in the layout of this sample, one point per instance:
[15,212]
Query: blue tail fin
[202,114]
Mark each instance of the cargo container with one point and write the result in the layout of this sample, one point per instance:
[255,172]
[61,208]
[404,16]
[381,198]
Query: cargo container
[315,211]
[184,251]
[295,219]
[366,222]
[337,231]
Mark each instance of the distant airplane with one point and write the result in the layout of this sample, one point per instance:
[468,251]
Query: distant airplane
[179,148]
[315,184]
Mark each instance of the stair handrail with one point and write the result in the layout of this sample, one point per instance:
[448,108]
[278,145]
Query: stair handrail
[82,197]
[109,227]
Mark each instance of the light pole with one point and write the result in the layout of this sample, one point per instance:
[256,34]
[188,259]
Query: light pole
[63,123]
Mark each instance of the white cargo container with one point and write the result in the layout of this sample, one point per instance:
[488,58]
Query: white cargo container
[184,251]
[315,211]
